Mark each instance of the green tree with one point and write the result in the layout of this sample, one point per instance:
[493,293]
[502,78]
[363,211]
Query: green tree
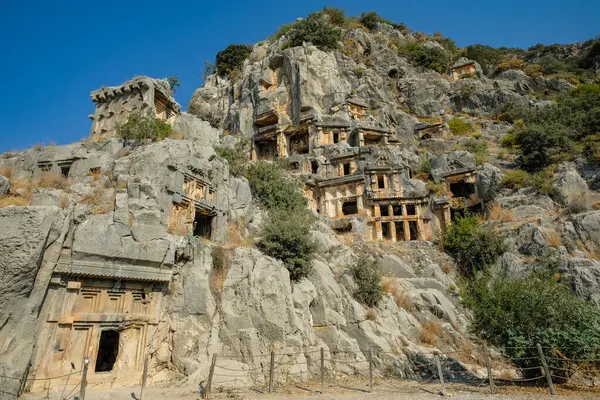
[274,189]
[315,29]
[473,246]
[231,58]
[429,57]
[286,236]
[173,83]
[488,57]
[367,277]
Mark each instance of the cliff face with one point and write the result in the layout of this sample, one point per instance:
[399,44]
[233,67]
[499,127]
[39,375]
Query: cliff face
[155,241]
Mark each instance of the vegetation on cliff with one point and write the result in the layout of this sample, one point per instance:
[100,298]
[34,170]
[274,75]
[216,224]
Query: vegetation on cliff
[141,127]
[518,313]
[286,233]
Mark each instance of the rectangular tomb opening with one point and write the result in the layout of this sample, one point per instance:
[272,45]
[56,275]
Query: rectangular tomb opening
[414,231]
[346,169]
[410,209]
[203,225]
[462,189]
[299,143]
[400,231]
[108,350]
[350,207]
[384,211]
[397,209]
[266,150]
[386,230]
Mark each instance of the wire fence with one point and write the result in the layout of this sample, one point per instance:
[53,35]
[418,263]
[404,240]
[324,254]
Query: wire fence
[390,371]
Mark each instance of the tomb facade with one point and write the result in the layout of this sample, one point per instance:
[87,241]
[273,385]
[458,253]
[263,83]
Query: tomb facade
[143,95]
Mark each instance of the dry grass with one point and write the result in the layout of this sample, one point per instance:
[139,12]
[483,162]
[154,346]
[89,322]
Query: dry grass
[554,239]
[430,332]
[38,146]
[371,314]
[13,201]
[593,254]
[64,201]
[9,154]
[102,205]
[400,297]
[53,180]
[235,236]
[95,173]
[7,171]
[176,135]
[497,213]
[447,268]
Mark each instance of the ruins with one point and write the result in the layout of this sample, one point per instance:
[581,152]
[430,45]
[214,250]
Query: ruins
[144,95]
[464,66]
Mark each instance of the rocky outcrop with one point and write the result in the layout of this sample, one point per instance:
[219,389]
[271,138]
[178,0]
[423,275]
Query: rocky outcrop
[31,240]
[569,184]
[4,185]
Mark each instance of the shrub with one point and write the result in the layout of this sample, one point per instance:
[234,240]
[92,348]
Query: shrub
[459,127]
[371,19]
[173,83]
[336,15]
[479,148]
[430,331]
[510,111]
[488,57]
[517,314]
[315,29]
[286,236]
[429,57]
[140,127]
[473,246]
[283,29]
[561,130]
[367,276]
[514,179]
[236,158]
[274,189]
[508,140]
[231,58]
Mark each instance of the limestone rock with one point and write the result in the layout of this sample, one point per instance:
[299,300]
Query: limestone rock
[30,243]
[488,179]
[195,129]
[569,184]
[4,185]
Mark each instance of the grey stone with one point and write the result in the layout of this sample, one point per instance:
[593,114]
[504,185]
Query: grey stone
[569,184]
[30,244]
[195,129]
[4,185]
[488,179]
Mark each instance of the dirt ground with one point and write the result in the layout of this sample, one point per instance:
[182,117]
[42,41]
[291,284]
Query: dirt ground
[343,390]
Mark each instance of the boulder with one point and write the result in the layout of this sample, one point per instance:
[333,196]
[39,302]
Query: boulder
[488,179]
[4,185]
[196,129]
[587,225]
[569,184]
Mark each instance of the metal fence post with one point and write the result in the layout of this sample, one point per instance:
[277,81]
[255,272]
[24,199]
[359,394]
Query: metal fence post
[440,373]
[370,370]
[62,395]
[210,376]
[86,362]
[546,369]
[322,370]
[271,368]
[489,368]
[144,376]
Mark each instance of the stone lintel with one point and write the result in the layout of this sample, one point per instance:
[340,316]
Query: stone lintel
[111,270]
[339,180]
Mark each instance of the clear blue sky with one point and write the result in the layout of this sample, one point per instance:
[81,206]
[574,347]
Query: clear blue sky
[55,52]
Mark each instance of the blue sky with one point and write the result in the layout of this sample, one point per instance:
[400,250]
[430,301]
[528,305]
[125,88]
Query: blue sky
[55,52]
